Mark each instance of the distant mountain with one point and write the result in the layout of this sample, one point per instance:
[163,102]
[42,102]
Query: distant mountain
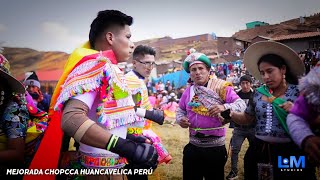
[25,59]
[168,49]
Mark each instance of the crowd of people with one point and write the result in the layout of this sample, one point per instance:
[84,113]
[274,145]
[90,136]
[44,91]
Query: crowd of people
[310,57]
[271,98]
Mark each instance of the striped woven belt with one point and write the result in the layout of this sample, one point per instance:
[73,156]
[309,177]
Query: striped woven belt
[207,141]
[102,161]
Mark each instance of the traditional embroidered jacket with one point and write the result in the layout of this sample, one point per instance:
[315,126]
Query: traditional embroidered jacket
[113,103]
[88,72]
[140,95]
[194,107]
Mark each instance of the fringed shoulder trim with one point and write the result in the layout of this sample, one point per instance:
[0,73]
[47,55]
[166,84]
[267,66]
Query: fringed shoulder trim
[86,77]
[134,83]
[113,117]
[116,76]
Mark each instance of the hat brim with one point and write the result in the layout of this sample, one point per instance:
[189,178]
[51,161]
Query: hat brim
[259,49]
[15,85]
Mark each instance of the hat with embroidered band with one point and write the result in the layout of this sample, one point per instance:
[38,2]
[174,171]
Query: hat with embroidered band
[195,58]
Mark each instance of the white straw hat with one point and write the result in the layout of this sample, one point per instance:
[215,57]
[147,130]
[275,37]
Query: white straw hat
[259,49]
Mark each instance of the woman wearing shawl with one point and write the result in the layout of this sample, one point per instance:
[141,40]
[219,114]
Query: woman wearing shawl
[278,67]
[199,109]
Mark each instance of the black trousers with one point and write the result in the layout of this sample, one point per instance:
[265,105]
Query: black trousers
[263,152]
[196,161]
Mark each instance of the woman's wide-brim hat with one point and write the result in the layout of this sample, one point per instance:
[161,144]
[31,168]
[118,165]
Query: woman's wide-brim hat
[16,86]
[259,49]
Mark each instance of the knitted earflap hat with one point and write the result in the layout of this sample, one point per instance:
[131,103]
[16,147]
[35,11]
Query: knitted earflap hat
[195,58]
[32,79]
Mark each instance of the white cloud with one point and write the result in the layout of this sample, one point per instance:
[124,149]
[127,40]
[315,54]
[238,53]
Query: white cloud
[61,35]
[3,28]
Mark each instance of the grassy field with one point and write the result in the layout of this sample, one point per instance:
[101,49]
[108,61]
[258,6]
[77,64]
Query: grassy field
[174,139]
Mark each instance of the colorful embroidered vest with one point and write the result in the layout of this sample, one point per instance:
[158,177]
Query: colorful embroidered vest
[139,93]
[52,140]
[116,108]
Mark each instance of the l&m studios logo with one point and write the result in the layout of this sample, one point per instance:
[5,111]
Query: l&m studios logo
[291,163]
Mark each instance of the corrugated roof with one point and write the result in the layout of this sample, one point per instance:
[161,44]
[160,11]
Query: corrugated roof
[297,36]
[248,34]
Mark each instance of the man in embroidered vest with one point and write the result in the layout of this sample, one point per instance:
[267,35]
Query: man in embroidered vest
[199,110]
[95,103]
[143,63]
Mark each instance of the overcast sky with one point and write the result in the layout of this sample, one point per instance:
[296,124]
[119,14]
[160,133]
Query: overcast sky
[62,25]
